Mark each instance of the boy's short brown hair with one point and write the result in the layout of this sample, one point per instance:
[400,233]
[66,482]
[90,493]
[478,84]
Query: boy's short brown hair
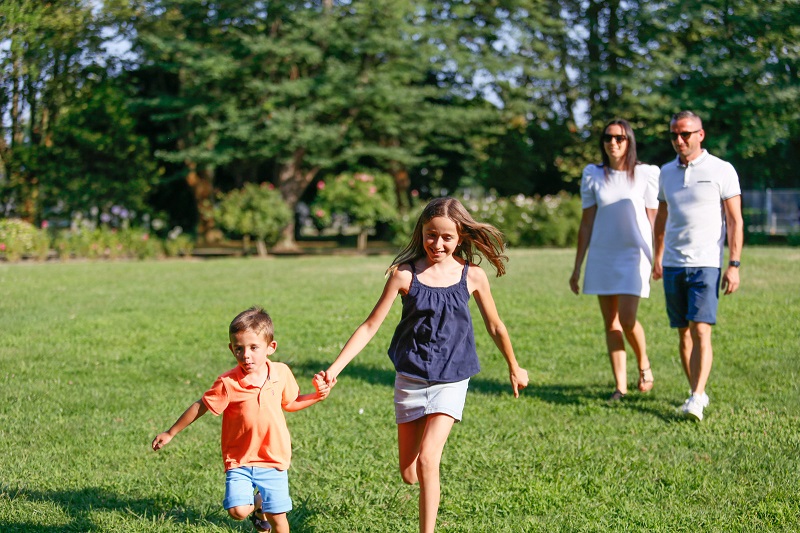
[254,319]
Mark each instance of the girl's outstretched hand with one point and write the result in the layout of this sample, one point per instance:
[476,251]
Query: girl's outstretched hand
[329,378]
[519,380]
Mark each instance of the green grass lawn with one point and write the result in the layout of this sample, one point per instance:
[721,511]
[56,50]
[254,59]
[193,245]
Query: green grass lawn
[97,358]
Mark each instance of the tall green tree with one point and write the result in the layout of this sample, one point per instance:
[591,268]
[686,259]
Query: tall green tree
[735,63]
[525,67]
[28,100]
[96,157]
[64,126]
[302,88]
[188,62]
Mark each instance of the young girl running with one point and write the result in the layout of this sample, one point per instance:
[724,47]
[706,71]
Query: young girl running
[433,348]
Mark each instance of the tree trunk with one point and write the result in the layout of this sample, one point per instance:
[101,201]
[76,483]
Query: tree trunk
[361,243]
[594,47]
[293,180]
[201,182]
[401,185]
[261,246]
[17,135]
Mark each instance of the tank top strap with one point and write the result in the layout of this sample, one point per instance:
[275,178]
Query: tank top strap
[464,272]
[413,270]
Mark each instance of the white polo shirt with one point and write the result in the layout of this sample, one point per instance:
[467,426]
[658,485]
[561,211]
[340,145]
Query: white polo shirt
[694,193]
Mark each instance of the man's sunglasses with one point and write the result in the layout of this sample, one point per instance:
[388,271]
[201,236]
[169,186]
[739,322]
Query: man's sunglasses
[619,138]
[684,134]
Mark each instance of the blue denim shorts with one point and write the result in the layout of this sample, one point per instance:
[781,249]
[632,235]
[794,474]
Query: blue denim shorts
[273,484]
[415,398]
[692,294]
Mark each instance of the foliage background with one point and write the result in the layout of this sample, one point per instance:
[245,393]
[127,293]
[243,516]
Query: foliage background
[160,105]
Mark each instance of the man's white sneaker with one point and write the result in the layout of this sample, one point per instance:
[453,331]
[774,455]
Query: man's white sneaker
[682,408]
[693,408]
[704,399]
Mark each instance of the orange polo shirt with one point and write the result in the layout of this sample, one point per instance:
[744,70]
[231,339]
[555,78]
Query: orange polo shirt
[254,431]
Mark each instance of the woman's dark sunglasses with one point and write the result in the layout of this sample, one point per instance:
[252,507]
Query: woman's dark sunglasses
[619,138]
[684,134]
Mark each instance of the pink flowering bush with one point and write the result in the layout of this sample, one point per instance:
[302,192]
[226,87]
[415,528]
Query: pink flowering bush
[364,198]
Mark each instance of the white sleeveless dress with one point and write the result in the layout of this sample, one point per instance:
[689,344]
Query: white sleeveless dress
[620,254]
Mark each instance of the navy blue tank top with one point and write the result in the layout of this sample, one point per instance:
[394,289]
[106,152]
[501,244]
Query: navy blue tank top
[434,339]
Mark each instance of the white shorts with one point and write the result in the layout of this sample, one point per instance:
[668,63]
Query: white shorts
[415,398]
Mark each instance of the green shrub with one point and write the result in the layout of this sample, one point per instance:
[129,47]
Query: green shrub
[19,238]
[257,211]
[756,237]
[551,220]
[178,243]
[88,242]
[70,243]
[403,225]
[556,221]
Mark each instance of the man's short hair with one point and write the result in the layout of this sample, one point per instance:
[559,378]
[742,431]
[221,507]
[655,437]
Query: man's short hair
[687,114]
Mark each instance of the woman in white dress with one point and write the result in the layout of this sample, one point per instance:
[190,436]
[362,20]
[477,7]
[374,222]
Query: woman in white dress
[619,207]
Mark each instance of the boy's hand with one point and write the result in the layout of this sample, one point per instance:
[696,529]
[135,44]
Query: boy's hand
[161,440]
[519,380]
[321,386]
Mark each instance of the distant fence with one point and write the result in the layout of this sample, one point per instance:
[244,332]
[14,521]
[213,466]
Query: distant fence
[772,211]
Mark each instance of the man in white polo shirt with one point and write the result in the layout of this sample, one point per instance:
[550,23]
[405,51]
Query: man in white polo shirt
[700,203]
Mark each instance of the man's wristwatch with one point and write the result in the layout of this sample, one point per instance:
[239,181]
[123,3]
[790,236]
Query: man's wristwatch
[734,263]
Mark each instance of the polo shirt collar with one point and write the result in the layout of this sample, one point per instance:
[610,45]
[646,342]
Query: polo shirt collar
[694,162]
[245,380]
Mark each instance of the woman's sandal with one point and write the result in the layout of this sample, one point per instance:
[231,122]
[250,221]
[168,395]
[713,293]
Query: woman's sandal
[260,524]
[645,384]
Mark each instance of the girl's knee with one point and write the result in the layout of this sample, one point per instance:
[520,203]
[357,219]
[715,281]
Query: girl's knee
[409,475]
[428,462]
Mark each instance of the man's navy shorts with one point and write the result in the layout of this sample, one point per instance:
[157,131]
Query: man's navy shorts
[692,294]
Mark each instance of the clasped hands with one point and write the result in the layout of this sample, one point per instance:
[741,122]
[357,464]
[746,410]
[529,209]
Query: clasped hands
[323,384]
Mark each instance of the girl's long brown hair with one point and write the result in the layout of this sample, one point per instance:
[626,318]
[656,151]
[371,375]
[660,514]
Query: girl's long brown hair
[477,239]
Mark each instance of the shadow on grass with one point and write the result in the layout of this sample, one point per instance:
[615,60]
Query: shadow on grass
[385,376]
[656,407]
[555,394]
[80,505]
[367,374]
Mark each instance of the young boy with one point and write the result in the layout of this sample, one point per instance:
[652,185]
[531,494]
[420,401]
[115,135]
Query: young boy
[256,446]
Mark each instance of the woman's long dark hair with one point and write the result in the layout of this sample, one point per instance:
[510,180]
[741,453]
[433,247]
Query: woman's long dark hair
[630,155]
